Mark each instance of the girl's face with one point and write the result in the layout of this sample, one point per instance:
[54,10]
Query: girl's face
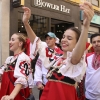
[68,41]
[14,43]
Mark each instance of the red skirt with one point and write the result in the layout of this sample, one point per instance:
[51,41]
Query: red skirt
[58,91]
[7,87]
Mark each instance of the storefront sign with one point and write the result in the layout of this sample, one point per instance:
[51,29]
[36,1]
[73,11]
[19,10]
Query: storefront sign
[95,19]
[17,3]
[52,6]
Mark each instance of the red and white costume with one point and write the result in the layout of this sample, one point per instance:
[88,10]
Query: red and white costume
[17,69]
[92,81]
[40,70]
[62,74]
[40,73]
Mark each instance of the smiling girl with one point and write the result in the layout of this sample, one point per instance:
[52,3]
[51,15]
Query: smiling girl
[68,69]
[16,72]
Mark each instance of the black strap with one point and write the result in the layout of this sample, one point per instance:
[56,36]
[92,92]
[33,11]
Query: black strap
[13,84]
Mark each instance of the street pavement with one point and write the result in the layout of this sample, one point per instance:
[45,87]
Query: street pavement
[36,93]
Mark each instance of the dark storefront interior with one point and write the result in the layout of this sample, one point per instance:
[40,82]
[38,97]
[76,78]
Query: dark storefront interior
[58,27]
[41,25]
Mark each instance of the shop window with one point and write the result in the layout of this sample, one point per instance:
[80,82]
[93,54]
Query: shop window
[39,25]
[59,27]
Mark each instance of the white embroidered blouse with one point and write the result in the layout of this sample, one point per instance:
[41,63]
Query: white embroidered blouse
[22,69]
[75,72]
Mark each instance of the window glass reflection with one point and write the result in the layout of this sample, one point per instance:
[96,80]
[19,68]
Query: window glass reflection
[38,23]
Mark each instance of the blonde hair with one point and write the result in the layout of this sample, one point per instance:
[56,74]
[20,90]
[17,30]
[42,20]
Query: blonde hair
[22,38]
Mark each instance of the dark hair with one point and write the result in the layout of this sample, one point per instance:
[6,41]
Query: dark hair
[94,35]
[77,31]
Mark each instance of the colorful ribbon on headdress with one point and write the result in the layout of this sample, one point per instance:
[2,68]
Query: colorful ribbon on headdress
[27,47]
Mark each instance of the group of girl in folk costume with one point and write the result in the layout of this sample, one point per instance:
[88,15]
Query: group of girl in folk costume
[66,70]
[16,74]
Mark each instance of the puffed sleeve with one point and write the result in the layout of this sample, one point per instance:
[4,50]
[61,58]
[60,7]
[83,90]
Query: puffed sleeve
[75,72]
[23,71]
[37,46]
[34,48]
[5,65]
[40,47]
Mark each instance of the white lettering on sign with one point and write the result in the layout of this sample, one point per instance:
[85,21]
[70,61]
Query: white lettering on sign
[61,8]
[64,9]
